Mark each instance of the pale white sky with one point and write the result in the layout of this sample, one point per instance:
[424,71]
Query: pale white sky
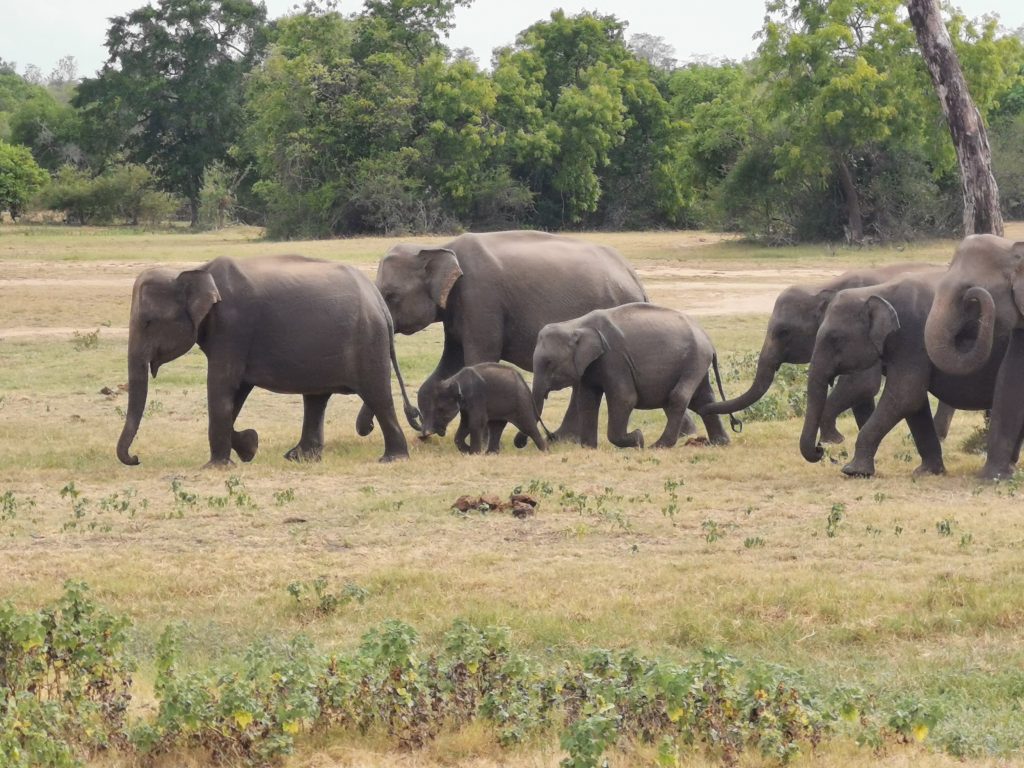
[41,31]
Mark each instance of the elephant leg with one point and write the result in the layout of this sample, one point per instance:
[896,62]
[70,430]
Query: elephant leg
[705,395]
[462,435]
[528,427]
[619,409]
[589,407]
[1007,421]
[886,415]
[311,441]
[570,430]
[926,439]
[246,442]
[221,397]
[1016,450]
[477,433]
[942,419]
[383,407]
[688,425]
[364,421]
[852,390]
[494,430]
[675,411]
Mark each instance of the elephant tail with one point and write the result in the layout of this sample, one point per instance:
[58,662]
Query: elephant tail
[412,414]
[735,423]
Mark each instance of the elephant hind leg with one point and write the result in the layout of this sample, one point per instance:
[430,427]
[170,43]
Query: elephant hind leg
[704,395]
[311,442]
[381,405]
[494,430]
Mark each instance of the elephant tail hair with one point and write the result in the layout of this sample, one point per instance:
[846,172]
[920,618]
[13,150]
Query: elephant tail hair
[735,423]
[412,413]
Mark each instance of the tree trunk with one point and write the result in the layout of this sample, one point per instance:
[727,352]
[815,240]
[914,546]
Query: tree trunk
[981,195]
[854,218]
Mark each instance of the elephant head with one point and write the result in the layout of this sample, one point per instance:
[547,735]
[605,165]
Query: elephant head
[563,353]
[416,284]
[167,310]
[790,339]
[979,298]
[851,338]
[447,402]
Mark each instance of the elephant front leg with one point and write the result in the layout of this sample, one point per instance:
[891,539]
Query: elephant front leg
[462,434]
[942,419]
[852,391]
[886,415]
[571,430]
[494,432]
[246,442]
[220,400]
[311,442]
[589,400]
[619,410]
[1007,421]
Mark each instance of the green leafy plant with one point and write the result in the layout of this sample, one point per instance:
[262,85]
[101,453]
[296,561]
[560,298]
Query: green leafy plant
[835,517]
[313,597]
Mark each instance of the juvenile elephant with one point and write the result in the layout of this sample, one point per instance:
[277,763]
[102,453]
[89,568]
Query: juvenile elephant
[639,356]
[980,302]
[493,293]
[487,397]
[795,320]
[284,323]
[884,324]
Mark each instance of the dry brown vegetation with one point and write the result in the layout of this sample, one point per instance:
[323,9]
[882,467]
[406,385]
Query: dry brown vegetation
[918,592]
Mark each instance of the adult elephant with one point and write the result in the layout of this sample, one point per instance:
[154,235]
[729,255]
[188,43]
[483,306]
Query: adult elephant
[284,323]
[794,322]
[979,301]
[884,324]
[494,292]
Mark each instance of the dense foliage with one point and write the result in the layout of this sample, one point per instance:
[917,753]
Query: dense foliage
[321,123]
[66,694]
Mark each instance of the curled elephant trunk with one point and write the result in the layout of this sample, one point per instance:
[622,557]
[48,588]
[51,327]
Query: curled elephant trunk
[138,386]
[767,364]
[948,338]
[817,392]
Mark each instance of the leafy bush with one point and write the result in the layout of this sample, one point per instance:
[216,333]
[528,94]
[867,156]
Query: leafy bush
[20,178]
[125,193]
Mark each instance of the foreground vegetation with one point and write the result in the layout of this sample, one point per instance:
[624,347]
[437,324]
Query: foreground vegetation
[719,582]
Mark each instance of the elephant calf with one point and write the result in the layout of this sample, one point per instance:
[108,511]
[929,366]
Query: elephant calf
[885,324]
[486,396]
[638,356]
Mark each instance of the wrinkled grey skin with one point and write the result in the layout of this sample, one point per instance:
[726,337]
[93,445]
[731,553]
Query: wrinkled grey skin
[794,322]
[884,324]
[287,324]
[494,292]
[979,301]
[638,356]
[487,397]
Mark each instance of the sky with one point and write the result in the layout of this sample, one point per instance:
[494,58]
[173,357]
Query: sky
[43,31]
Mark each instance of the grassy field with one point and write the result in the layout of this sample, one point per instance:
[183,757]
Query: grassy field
[913,589]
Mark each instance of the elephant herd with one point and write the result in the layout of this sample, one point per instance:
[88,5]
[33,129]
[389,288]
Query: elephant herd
[576,315]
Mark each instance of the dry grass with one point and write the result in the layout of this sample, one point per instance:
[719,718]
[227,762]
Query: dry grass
[891,603]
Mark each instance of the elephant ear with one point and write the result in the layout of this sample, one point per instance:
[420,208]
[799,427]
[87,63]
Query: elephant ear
[587,344]
[822,299]
[1017,275]
[882,320]
[199,293]
[442,267]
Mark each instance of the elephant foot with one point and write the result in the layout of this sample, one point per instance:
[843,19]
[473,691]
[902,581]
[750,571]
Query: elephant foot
[387,458]
[927,468]
[219,464]
[301,454]
[520,440]
[364,422]
[663,443]
[246,443]
[831,435]
[859,469]
[996,472]
[634,439]
[565,437]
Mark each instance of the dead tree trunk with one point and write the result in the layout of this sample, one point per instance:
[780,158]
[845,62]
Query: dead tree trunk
[981,195]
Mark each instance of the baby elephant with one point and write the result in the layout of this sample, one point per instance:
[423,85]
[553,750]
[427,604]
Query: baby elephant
[636,356]
[487,396]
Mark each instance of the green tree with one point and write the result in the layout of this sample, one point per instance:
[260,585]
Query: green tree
[171,89]
[410,28]
[20,178]
[50,129]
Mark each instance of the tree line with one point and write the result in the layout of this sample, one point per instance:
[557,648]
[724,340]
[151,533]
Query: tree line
[321,123]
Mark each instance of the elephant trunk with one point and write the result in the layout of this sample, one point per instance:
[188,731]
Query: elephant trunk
[540,393]
[945,324]
[817,392]
[767,364]
[138,385]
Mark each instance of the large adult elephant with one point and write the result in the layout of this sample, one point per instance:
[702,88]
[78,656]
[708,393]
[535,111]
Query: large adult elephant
[794,322]
[494,292]
[884,324]
[283,323]
[979,301]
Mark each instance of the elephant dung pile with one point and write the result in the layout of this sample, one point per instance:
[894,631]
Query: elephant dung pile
[519,504]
